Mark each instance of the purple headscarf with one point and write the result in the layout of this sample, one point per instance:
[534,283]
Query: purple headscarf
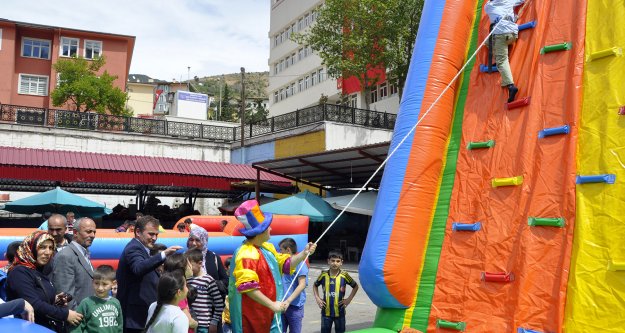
[201,234]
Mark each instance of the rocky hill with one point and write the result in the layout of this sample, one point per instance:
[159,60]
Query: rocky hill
[256,84]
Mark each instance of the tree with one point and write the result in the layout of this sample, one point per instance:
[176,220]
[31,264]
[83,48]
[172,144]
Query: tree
[82,88]
[228,110]
[256,111]
[362,38]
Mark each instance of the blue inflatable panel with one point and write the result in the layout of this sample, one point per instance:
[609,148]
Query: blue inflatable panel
[19,325]
[111,248]
[378,237]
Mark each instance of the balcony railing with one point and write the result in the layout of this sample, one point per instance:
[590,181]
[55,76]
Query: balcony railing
[110,123]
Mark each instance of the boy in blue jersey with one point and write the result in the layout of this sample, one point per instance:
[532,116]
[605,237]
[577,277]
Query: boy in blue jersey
[294,314]
[333,304]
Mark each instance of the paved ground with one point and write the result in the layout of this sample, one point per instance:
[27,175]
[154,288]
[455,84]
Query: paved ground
[360,313]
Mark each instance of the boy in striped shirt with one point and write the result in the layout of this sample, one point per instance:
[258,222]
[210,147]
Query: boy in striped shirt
[333,304]
[208,305]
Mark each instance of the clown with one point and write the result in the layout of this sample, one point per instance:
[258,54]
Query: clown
[255,289]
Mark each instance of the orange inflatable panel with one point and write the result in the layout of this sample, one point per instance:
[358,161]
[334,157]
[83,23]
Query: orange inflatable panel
[281,224]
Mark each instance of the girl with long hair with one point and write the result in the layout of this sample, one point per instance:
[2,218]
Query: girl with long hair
[165,314]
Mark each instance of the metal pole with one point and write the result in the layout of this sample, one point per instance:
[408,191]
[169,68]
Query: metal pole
[221,83]
[242,110]
[257,186]
[189,78]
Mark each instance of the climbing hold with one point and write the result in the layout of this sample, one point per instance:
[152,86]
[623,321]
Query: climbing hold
[518,103]
[466,226]
[498,277]
[621,110]
[554,131]
[545,221]
[526,330]
[511,181]
[484,68]
[607,178]
[614,51]
[478,145]
[458,326]
[528,25]
[615,266]
[556,47]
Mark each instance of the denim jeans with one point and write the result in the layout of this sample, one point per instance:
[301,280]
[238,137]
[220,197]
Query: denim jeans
[339,324]
[227,328]
[292,319]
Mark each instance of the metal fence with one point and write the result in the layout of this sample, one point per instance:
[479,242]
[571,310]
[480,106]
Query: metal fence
[110,123]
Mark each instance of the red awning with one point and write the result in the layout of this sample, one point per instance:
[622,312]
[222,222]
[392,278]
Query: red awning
[85,167]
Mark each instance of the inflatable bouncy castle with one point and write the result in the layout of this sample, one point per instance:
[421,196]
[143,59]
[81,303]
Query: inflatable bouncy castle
[506,217]
[108,244]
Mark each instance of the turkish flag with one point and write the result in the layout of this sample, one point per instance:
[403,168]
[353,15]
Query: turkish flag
[157,94]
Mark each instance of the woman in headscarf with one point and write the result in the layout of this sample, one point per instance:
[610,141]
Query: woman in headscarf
[26,280]
[213,266]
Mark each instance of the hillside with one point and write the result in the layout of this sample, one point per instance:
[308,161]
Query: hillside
[255,84]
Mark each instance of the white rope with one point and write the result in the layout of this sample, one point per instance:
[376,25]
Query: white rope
[453,80]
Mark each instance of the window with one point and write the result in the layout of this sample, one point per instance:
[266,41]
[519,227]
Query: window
[289,90]
[393,88]
[93,49]
[313,78]
[374,94]
[282,94]
[383,91]
[300,24]
[300,54]
[306,82]
[275,97]
[320,75]
[293,59]
[353,100]
[69,47]
[35,48]
[33,85]
[275,40]
[287,61]
[275,69]
[313,16]
[294,27]
[300,85]
[288,33]
[307,20]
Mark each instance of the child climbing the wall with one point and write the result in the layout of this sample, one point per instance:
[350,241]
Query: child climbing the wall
[505,33]
[333,303]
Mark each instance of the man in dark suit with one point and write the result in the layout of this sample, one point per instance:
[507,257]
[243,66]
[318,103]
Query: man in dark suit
[72,271]
[137,277]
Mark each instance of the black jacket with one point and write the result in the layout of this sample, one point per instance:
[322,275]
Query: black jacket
[137,280]
[215,268]
[27,283]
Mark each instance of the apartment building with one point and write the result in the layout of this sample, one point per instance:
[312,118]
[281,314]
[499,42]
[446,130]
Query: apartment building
[147,97]
[28,51]
[297,78]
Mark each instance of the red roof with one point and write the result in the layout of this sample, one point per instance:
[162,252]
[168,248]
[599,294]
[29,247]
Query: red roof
[26,157]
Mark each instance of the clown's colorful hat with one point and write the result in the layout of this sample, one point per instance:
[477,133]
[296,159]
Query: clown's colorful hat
[253,219]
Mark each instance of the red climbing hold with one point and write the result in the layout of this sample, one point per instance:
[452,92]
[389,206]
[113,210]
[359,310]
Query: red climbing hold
[519,103]
[497,277]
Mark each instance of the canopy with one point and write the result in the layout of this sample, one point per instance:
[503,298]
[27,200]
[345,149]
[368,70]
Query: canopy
[304,203]
[57,201]
[363,204]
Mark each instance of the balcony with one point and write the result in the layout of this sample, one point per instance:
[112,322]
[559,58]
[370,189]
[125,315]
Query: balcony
[66,119]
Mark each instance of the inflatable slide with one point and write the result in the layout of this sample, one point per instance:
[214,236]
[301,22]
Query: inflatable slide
[502,217]
[108,244]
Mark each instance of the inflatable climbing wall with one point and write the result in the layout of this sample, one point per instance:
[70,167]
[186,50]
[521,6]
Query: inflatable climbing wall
[496,217]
